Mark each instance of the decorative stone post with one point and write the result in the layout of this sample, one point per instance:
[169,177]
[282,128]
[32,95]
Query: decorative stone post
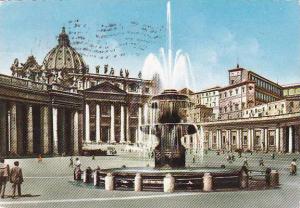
[138,182]
[96,178]
[207,182]
[109,182]
[84,177]
[274,180]
[169,183]
[244,180]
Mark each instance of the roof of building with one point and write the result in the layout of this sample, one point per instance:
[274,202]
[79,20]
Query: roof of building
[291,85]
[64,57]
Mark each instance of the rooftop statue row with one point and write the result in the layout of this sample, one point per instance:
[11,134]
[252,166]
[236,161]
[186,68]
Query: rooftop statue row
[112,71]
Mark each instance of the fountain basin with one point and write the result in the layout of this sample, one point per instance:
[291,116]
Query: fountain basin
[190,178]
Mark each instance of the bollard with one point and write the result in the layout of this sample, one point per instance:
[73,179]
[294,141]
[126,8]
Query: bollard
[138,182]
[274,179]
[207,182]
[84,177]
[96,178]
[244,181]
[109,182]
[169,183]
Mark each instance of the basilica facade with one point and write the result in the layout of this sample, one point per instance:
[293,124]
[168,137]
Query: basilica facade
[58,106]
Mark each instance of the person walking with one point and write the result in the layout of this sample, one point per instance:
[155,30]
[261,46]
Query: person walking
[4,176]
[16,178]
[40,159]
[273,156]
[246,162]
[71,162]
[77,170]
[293,167]
[261,162]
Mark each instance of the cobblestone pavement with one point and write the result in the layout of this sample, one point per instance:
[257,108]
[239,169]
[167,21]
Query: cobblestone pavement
[50,184]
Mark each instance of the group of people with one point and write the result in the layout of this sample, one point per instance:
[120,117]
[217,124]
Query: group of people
[13,175]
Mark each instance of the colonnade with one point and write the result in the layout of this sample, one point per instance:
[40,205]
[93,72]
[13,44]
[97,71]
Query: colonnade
[29,128]
[124,133]
[279,139]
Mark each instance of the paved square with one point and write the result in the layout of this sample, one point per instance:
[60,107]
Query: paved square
[50,184]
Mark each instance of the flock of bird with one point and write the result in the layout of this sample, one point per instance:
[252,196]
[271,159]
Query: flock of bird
[113,40]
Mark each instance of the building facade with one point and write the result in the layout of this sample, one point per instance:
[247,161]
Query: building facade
[246,89]
[59,106]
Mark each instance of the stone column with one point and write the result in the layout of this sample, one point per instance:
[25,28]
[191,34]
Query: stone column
[220,139]
[127,125]
[266,140]
[3,128]
[122,131]
[169,183]
[277,139]
[112,124]
[249,139]
[229,140]
[281,140]
[76,133]
[98,127]
[146,114]
[210,139]
[290,139]
[109,182]
[238,142]
[13,129]
[252,139]
[45,129]
[138,182]
[139,125]
[87,123]
[262,139]
[54,128]
[29,130]
[207,182]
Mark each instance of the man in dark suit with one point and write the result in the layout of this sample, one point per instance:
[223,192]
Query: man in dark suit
[16,178]
[4,175]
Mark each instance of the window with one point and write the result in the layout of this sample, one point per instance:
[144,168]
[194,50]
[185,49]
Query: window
[105,110]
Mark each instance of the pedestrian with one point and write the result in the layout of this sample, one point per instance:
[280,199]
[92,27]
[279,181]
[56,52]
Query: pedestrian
[4,176]
[293,167]
[93,157]
[71,162]
[246,162]
[77,162]
[232,158]
[16,178]
[268,177]
[261,162]
[273,156]
[194,159]
[77,170]
[39,159]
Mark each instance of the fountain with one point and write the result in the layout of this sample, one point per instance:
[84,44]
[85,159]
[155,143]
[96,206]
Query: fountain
[167,128]
[172,74]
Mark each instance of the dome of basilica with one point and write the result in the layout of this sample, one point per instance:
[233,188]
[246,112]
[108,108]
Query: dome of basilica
[64,58]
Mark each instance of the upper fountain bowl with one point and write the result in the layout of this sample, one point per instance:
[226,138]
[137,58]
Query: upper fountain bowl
[170,106]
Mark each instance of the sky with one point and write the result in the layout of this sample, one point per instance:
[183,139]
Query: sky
[262,36]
